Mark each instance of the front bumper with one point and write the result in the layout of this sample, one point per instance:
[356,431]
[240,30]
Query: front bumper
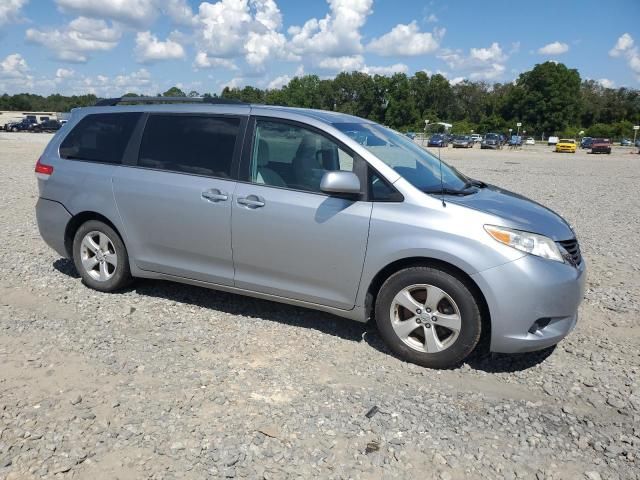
[52,220]
[566,149]
[528,292]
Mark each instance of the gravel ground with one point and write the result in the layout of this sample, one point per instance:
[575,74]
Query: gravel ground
[173,381]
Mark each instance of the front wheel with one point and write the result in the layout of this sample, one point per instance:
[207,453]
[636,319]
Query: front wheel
[428,316]
[101,257]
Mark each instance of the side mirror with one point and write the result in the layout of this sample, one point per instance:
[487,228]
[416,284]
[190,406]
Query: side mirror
[340,183]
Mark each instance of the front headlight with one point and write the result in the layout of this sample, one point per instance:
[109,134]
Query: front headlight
[532,243]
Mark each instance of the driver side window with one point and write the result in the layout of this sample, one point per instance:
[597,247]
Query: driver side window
[290,156]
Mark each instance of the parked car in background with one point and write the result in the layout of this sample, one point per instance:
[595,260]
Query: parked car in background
[503,139]
[491,140]
[586,142]
[476,137]
[286,216]
[411,135]
[552,140]
[601,145]
[438,140]
[515,141]
[47,126]
[462,141]
[566,145]
[625,142]
[22,125]
[530,141]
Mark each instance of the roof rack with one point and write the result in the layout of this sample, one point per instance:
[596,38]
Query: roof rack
[112,102]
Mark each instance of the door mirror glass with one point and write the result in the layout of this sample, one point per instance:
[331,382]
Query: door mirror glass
[340,183]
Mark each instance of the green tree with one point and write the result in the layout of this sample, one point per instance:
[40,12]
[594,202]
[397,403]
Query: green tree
[174,92]
[547,98]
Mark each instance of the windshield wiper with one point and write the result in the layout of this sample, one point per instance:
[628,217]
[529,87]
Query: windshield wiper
[474,183]
[449,191]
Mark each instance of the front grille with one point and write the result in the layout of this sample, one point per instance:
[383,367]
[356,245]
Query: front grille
[573,249]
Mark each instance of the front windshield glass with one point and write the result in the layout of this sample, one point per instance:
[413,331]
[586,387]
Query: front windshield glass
[491,136]
[409,160]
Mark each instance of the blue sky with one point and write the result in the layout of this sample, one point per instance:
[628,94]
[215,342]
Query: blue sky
[109,47]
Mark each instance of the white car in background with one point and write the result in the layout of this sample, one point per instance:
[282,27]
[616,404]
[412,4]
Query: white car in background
[552,140]
[530,141]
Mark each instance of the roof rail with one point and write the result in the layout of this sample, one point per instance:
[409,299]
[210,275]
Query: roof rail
[112,102]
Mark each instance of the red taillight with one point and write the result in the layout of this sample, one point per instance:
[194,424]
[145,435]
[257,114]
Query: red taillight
[43,169]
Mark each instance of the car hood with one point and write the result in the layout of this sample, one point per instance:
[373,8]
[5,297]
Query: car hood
[517,211]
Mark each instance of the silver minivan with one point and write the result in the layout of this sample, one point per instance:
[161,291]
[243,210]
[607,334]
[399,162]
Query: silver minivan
[311,208]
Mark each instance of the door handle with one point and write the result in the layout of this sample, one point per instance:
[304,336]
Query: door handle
[251,201]
[215,195]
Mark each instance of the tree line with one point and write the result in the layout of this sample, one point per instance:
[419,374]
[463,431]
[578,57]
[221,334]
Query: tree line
[549,99]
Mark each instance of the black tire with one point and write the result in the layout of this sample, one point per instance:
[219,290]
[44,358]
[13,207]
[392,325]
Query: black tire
[120,275]
[471,319]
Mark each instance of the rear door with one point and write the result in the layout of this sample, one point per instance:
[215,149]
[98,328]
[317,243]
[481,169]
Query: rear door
[175,199]
[289,238]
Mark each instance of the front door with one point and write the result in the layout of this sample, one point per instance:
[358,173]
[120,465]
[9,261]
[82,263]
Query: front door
[289,238]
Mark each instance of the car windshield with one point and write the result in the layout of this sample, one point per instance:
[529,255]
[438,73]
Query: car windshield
[567,140]
[460,137]
[415,164]
[491,136]
[436,137]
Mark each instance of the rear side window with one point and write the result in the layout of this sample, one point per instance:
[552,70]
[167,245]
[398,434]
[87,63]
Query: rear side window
[201,145]
[100,137]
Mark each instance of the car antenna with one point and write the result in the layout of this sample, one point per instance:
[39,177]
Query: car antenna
[441,181]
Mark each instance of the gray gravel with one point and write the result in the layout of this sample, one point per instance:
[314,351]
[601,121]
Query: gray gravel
[172,381]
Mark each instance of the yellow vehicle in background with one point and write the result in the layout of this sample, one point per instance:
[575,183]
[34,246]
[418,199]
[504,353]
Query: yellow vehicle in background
[567,145]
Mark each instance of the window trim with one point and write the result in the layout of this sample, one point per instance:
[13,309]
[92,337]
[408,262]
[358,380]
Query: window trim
[100,162]
[132,153]
[244,174]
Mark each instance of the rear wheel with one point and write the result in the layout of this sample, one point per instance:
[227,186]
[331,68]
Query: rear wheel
[101,257]
[428,316]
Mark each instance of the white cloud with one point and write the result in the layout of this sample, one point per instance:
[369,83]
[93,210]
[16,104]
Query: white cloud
[13,66]
[232,28]
[480,63]
[390,70]
[335,35]
[63,73]
[106,86]
[10,10]
[202,60]
[554,48]
[350,63]
[178,10]
[346,63]
[15,75]
[406,40]
[606,83]
[81,37]
[625,46]
[279,82]
[136,12]
[432,18]
[131,12]
[149,49]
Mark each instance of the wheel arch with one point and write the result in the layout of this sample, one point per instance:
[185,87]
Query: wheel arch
[401,264]
[76,221]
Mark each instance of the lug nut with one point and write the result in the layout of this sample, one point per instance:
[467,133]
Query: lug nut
[434,318]
[426,325]
[418,320]
[418,311]
[428,310]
